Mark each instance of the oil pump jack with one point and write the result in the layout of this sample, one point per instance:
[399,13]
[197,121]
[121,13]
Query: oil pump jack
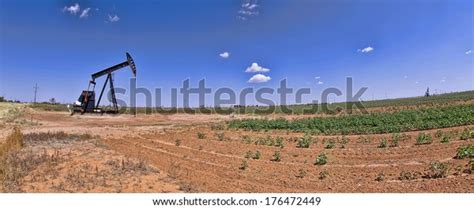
[86,102]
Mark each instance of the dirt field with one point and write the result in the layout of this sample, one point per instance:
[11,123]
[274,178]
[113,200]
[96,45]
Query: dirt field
[176,159]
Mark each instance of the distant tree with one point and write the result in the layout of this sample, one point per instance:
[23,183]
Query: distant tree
[52,100]
[2,99]
[427,93]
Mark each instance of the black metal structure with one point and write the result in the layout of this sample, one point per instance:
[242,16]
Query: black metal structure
[86,102]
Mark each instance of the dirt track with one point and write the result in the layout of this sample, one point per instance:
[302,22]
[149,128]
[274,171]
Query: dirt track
[211,165]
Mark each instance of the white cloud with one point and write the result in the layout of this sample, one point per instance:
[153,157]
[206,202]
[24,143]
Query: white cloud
[317,77]
[405,76]
[443,80]
[366,49]
[259,78]
[416,82]
[224,55]
[114,18]
[320,82]
[73,9]
[468,52]
[255,68]
[85,13]
[248,9]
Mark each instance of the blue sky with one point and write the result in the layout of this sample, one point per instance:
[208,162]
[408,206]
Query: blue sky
[396,48]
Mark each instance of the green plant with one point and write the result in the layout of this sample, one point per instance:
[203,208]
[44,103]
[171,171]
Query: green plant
[201,135]
[437,169]
[423,138]
[177,142]
[244,165]
[383,143]
[465,151]
[322,159]
[330,143]
[257,155]
[323,174]
[305,141]
[276,156]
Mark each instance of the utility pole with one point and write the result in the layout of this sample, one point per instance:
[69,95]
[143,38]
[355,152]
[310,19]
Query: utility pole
[36,90]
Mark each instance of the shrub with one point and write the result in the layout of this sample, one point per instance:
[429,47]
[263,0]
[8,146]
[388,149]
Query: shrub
[201,135]
[276,156]
[437,169]
[383,143]
[177,142]
[323,174]
[244,165]
[423,138]
[13,142]
[257,155]
[465,151]
[305,141]
[322,159]
[330,144]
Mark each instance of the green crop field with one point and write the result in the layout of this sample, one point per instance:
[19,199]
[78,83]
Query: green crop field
[405,120]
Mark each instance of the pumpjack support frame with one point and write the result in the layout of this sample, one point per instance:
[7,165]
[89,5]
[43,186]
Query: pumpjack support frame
[86,102]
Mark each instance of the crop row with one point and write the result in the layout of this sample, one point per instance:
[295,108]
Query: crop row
[372,123]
